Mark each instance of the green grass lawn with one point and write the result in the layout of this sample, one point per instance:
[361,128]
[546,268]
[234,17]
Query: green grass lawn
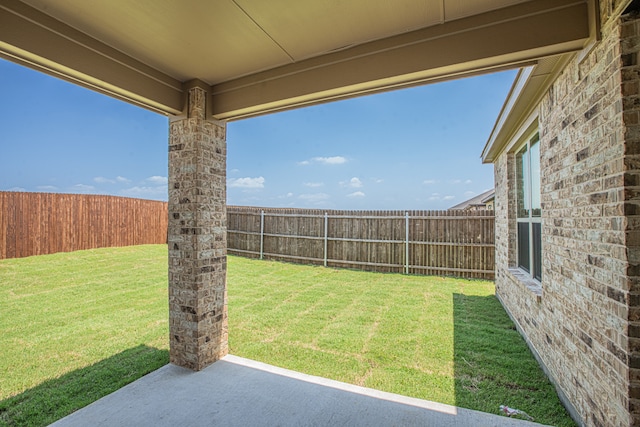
[76,326]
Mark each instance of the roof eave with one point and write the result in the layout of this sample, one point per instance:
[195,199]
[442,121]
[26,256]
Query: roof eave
[529,86]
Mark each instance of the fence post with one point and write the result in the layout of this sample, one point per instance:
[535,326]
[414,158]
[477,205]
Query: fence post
[261,233]
[406,244]
[326,233]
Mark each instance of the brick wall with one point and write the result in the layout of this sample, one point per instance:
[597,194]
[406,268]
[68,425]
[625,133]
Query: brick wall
[578,320]
[630,79]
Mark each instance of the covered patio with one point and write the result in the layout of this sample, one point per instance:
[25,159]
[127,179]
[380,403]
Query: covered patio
[203,63]
[239,392]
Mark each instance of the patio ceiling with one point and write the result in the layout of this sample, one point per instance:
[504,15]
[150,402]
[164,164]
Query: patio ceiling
[259,56]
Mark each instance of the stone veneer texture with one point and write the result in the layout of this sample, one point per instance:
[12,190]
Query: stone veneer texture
[584,322]
[197,237]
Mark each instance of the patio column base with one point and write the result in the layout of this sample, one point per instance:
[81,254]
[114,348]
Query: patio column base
[197,235]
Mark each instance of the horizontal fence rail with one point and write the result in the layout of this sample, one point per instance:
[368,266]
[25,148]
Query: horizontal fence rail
[45,223]
[457,243]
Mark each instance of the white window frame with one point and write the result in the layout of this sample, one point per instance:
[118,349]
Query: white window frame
[530,219]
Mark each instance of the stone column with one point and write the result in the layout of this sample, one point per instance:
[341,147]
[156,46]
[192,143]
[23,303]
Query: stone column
[197,235]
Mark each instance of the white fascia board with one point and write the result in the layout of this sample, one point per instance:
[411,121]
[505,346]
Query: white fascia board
[497,139]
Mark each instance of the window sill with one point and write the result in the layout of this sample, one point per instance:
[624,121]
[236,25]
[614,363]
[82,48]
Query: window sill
[532,285]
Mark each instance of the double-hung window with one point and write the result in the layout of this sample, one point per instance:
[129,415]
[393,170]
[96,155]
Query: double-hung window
[529,208]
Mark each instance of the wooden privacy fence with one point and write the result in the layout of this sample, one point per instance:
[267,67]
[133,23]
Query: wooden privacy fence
[457,243]
[45,223]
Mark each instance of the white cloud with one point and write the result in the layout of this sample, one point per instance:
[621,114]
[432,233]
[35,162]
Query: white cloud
[83,188]
[438,196]
[246,182]
[460,181]
[469,193]
[159,180]
[119,179]
[314,198]
[314,184]
[468,181]
[356,194]
[335,160]
[142,192]
[377,180]
[430,181]
[17,189]
[47,188]
[355,182]
[103,180]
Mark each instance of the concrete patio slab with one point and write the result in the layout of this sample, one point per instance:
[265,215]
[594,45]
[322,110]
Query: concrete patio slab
[241,392]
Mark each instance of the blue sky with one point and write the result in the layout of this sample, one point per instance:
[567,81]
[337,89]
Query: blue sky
[415,148]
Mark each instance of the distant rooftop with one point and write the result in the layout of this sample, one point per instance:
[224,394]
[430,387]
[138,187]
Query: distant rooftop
[477,201]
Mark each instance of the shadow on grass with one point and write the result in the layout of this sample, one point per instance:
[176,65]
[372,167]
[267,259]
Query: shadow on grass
[493,365]
[59,397]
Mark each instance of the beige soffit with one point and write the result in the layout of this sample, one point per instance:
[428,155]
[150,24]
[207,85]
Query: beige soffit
[260,56]
[509,37]
[526,92]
